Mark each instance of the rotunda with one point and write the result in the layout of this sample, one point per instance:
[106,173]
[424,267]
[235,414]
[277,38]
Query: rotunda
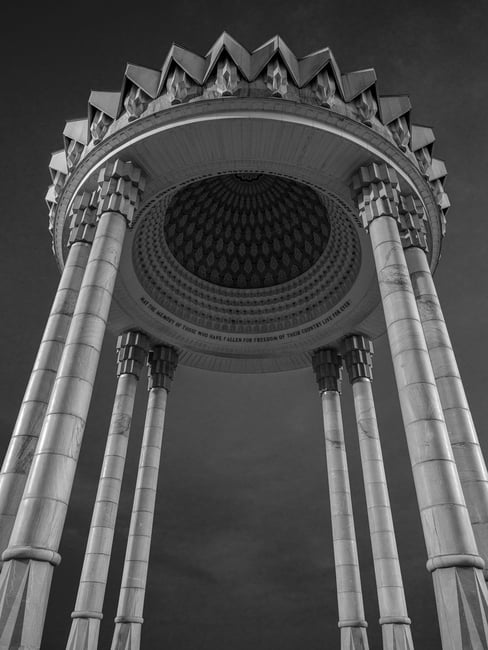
[246,212]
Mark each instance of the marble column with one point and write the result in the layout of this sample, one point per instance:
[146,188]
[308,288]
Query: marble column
[328,368]
[460,426]
[85,627]
[23,442]
[33,547]
[459,586]
[394,620]
[128,622]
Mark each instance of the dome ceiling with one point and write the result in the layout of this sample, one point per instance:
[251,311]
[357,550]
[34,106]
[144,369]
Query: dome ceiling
[246,231]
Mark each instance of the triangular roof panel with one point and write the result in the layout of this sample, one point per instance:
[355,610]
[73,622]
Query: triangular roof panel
[393,107]
[238,54]
[107,102]
[58,161]
[438,170]
[263,55]
[193,64]
[354,83]
[144,78]
[422,136]
[312,64]
[50,197]
[77,130]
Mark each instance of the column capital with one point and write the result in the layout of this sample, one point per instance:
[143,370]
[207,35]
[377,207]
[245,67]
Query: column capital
[83,222]
[377,190]
[412,222]
[327,365]
[131,350]
[372,174]
[358,357]
[162,363]
[121,185]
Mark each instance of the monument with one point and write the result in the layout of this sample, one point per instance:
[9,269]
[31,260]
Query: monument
[246,212]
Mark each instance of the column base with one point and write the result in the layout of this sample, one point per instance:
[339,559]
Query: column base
[397,636]
[24,589]
[353,638]
[84,634]
[462,606]
[127,636]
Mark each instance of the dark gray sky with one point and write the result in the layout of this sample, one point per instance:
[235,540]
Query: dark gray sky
[242,553]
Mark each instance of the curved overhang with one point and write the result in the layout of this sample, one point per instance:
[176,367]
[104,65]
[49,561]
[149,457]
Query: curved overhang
[274,136]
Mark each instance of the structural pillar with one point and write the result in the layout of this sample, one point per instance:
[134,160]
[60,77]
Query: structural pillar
[460,589]
[328,368]
[128,622]
[394,620]
[85,627]
[23,442]
[460,426]
[33,547]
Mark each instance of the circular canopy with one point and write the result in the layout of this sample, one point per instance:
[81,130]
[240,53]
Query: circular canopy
[247,252]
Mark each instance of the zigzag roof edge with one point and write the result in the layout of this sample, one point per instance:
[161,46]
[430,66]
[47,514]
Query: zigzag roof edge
[77,130]
[106,101]
[193,64]
[422,136]
[237,52]
[356,82]
[145,78]
[393,106]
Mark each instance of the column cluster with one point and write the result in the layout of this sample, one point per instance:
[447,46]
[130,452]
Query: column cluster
[131,354]
[327,365]
[394,221]
[128,622]
[32,549]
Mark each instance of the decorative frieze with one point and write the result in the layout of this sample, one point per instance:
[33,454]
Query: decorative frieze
[227,80]
[135,102]
[131,353]
[75,137]
[178,85]
[74,150]
[424,160]
[277,78]
[325,88]
[358,357]
[162,363]
[99,125]
[400,132]
[327,365]
[367,107]
[58,169]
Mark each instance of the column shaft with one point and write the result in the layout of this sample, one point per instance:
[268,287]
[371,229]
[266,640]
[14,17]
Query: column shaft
[23,442]
[443,511]
[391,595]
[39,524]
[349,593]
[129,619]
[462,433]
[461,595]
[91,592]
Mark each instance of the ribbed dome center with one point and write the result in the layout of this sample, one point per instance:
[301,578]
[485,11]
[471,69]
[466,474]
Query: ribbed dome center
[246,231]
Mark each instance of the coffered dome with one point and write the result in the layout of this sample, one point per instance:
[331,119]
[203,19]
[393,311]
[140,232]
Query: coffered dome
[246,231]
